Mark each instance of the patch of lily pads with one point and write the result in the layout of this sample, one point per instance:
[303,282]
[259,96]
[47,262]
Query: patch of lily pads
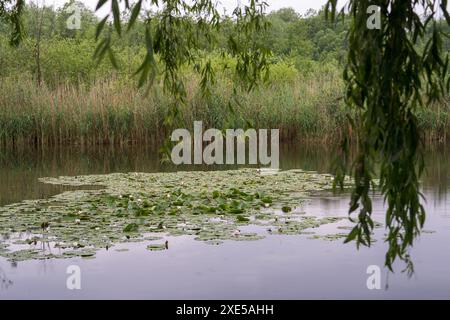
[147,207]
[331,237]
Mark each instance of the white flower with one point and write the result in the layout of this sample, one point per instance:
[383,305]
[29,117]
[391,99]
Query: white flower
[77,221]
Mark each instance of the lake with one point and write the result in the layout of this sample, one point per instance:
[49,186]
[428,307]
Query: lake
[277,267]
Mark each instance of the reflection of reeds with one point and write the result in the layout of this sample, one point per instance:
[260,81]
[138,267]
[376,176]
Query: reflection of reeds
[114,112]
[5,283]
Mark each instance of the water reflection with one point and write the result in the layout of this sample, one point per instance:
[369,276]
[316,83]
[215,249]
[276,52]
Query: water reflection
[273,268]
[20,168]
[5,282]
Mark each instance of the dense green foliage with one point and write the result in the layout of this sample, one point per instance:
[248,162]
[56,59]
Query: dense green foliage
[84,102]
[303,42]
[392,72]
[11,14]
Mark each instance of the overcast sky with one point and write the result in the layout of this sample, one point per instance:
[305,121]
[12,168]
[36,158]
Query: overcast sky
[300,6]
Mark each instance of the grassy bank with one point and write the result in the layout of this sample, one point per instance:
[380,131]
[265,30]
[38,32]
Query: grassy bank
[303,107]
[114,111]
[85,103]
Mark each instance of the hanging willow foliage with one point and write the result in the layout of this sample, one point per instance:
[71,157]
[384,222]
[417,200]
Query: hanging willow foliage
[175,33]
[387,79]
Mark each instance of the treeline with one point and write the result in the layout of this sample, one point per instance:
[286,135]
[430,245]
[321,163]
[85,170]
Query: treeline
[54,92]
[55,54]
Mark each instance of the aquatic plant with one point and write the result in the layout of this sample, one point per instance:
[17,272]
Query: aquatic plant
[147,207]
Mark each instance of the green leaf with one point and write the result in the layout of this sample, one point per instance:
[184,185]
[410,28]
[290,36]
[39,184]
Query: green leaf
[352,235]
[286,209]
[134,14]
[132,227]
[100,27]
[100,4]
[116,16]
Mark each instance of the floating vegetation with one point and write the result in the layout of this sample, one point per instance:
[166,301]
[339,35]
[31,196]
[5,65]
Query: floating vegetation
[286,209]
[140,207]
[330,237]
[3,248]
[156,247]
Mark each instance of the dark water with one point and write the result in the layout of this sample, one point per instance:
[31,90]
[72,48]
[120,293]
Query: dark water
[289,267]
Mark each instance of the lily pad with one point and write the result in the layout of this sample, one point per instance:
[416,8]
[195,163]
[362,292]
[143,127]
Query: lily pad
[127,207]
[157,247]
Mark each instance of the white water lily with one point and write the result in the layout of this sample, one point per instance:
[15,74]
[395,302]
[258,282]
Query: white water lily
[77,221]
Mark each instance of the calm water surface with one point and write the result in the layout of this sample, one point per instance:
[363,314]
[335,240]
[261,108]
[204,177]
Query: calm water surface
[277,267]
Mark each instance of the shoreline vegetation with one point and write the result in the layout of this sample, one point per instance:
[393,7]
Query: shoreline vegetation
[52,92]
[115,112]
[112,112]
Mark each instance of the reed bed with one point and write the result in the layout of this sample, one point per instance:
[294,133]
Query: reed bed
[114,112]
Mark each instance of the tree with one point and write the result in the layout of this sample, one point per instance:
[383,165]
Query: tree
[387,79]
[177,32]
[88,21]
[11,11]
